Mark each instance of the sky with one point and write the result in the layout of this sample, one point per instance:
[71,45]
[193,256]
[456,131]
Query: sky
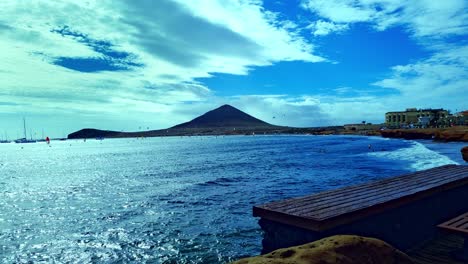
[138,65]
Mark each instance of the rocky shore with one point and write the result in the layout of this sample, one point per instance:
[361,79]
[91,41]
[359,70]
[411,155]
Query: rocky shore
[464,152]
[228,120]
[459,133]
[341,249]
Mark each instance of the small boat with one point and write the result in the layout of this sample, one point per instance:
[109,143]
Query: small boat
[25,139]
[5,140]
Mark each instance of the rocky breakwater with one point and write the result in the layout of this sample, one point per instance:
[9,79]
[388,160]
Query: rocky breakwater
[439,134]
[464,152]
[341,249]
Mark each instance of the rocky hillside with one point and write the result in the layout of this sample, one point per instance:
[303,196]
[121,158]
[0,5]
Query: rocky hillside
[225,116]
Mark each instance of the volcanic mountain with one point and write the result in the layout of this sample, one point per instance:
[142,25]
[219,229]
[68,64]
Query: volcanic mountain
[224,116]
[222,120]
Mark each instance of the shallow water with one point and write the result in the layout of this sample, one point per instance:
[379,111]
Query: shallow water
[176,200]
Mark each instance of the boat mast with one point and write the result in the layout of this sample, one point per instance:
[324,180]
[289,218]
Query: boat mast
[24,125]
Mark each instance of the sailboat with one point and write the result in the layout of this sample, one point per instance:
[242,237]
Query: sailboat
[5,140]
[25,139]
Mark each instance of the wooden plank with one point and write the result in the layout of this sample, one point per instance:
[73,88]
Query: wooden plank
[458,224]
[464,226]
[334,210]
[453,220]
[370,197]
[324,210]
[392,182]
[363,193]
[371,191]
[437,251]
[313,197]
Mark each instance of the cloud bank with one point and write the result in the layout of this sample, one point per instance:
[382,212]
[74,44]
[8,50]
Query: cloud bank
[104,56]
[440,27]
[139,61]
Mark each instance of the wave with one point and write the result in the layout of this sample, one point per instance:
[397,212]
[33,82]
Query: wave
[418,156]
[221,181]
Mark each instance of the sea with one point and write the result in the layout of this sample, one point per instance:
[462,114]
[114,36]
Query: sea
[177,199]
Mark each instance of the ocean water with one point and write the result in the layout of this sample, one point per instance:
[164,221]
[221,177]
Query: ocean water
[176,200]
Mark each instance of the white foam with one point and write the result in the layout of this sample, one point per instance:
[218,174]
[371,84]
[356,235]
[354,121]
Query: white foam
[418,156]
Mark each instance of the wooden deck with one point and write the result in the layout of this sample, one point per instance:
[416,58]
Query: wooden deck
[458,224]
[329,209]
[438,251]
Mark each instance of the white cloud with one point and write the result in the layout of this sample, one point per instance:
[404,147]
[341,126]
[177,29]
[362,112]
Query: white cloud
[169,43]
[347,11]
[322,28]
[442,77]
[172,43]
[422,18]
[301,111]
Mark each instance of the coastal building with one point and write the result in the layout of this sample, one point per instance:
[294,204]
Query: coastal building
[460,118]
[413,117]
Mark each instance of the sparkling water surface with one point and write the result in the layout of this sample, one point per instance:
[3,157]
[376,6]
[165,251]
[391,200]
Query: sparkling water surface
[176,200]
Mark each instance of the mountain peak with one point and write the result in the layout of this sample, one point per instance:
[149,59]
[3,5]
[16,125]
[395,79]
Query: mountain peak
[224,106]
[224,116]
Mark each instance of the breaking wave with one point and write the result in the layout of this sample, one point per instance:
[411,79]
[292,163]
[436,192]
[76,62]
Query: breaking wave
[417,155]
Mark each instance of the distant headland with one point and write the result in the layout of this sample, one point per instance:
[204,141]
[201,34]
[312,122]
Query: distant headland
[228,120]
[224,120]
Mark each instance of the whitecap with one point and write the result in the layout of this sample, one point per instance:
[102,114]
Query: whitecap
[418,156]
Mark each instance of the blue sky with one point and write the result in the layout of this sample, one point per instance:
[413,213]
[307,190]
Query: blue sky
[126,65]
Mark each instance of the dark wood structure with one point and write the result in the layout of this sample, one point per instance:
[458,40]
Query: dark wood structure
[437,251]
[458,225]
[403,210]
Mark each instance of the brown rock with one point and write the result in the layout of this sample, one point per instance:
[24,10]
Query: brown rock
[342,249]
[453,135]
[464,152]
[459,133]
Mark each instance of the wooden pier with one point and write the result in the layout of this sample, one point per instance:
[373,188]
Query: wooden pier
[403,210]
[437,251]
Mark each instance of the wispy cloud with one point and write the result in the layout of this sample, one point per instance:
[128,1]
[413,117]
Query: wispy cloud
[440,27]
[322,28]
[422,18]
[141,56]
[443,76]
[139,60]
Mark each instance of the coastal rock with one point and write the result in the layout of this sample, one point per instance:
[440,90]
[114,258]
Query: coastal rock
[464,152]
[459,133]
[409,133]
[453,135]
[341,249]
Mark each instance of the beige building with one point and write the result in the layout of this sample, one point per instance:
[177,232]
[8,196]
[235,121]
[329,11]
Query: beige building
[414,117]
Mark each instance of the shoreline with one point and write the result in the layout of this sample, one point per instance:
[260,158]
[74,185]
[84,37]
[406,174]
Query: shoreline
[452,134]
